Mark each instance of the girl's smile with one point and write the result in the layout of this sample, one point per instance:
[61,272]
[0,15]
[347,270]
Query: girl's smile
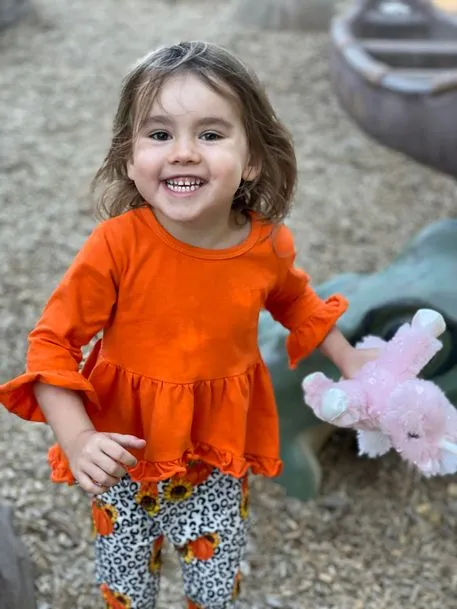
[184,185]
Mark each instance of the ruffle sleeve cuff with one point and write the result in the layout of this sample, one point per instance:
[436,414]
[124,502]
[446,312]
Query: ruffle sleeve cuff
[19,398]
[60,467]
[308,335]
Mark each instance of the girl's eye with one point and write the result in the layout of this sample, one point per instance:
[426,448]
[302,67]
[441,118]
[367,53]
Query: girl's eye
[211,136]
[160,136]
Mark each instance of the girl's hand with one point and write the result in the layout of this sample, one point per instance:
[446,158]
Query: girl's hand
[99,460]
[355,359]
[346,358]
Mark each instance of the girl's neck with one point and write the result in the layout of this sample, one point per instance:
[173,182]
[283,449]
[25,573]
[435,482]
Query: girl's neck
[221,234]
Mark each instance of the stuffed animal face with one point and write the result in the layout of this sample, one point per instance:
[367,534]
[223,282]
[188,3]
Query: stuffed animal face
[421,425]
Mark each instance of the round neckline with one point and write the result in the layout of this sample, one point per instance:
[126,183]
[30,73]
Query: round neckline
[201,252]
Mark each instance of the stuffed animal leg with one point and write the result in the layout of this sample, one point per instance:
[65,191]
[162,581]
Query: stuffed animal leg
[414,344]
[342,404]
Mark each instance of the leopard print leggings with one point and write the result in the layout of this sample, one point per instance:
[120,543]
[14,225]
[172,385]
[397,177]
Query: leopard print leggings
[202,513]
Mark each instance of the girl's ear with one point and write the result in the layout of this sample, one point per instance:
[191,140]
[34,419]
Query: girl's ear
[130,171]
[252,171]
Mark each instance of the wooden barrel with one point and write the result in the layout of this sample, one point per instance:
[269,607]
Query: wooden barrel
[393,66]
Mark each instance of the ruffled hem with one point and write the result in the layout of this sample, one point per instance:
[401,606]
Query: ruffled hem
[306,337]
[19,398]
[149,471]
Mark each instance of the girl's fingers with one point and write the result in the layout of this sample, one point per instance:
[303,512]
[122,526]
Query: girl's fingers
[110,466]
[99,477]
[128,441]
[89,486]
[113,448]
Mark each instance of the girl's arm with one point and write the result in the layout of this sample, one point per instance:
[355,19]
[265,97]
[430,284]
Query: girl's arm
[98,460]
[52,389]
[311,320]
[79,307]
[64,411]
[346,358]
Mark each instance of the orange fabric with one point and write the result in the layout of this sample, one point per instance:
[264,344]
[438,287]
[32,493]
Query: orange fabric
[178,363]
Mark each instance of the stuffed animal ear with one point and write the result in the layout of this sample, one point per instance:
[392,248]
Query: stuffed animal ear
[448,463]
[448,446]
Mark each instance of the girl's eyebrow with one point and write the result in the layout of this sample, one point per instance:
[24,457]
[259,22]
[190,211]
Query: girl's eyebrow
[162,119]
[215,120]
[207,121]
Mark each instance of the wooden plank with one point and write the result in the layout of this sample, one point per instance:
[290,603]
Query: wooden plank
[421,73]
[409,47]
[379,19]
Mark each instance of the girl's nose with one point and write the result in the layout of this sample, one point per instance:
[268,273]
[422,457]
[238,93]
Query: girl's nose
[184,150]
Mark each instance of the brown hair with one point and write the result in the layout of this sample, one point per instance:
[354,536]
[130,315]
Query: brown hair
[269,142]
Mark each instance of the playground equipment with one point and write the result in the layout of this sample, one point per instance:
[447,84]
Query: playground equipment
[393,66]
[307,15]
[16,569]
[380,304]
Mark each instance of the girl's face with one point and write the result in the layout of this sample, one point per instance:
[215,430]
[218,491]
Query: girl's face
[191,154]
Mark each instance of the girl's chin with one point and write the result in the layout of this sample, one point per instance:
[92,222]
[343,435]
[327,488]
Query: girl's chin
[179,214]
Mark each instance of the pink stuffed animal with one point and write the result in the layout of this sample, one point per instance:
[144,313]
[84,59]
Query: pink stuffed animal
[388,405]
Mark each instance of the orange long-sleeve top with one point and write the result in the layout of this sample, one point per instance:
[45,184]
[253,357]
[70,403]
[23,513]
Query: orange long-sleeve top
[178,362]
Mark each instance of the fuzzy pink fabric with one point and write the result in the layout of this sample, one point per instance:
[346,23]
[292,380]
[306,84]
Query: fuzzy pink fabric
[389,406]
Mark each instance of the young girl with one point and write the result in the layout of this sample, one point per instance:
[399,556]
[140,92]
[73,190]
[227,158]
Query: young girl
[174,405]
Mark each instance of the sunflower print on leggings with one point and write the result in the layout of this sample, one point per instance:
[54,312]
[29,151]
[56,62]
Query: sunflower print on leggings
[115,600]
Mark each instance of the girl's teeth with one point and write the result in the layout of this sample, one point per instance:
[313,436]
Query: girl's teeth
[176,188]
[183,185]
